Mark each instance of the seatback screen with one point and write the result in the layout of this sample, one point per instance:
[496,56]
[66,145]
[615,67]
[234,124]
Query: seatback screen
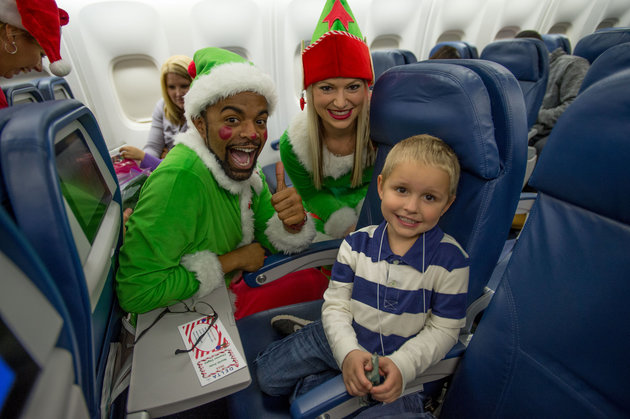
[18,373]
[82,183]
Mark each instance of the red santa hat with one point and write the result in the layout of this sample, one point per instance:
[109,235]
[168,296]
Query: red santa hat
[43,20]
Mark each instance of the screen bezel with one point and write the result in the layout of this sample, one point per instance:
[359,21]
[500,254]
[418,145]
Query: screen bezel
[95,258]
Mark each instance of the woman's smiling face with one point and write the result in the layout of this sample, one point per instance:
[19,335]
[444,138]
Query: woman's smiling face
[338,102]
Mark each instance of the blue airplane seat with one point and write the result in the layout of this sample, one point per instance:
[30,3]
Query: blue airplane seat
[22,93]
[493,161]
[613,60]
[528,60]
[552,343]
[465,49]
[39,364]
[270,175]
[5,116]
[428,97]
[54,88]
[554,41]
[384,59]
[592,45]
[66,201]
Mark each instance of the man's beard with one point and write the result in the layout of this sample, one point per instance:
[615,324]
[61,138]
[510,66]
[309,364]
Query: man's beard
[238,175]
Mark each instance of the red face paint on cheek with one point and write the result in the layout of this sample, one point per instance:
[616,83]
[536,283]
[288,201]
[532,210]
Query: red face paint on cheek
[265,135]
[225,133]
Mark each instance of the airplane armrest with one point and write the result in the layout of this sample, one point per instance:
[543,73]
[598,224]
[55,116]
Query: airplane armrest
[322,398]
[318,254]
[331,397]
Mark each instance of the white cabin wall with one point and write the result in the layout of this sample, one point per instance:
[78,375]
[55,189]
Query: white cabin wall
[582,16]
[461,20]
[396,24]
[104,33]
[505,18]
[101,36]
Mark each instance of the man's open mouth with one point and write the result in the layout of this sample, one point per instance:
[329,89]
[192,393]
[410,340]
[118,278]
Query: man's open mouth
[242,157]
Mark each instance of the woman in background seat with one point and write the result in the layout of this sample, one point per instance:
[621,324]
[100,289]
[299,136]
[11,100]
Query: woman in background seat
[168,116]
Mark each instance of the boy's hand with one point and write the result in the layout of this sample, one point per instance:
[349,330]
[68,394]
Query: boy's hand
[353,368]
[392,386]
[287,203]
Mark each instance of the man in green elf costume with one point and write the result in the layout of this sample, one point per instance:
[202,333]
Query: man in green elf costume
[206,213]
[326,150]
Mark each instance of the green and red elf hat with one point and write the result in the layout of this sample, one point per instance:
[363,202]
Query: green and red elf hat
[337,48]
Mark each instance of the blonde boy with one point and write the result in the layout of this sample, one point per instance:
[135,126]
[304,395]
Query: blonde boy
[397,289]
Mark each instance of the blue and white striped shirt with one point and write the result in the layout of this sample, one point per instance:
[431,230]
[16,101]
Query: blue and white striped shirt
[417,306]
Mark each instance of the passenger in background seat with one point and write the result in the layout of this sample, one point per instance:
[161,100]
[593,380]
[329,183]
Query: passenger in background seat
[410,331]
[30,30]
[445,52]
[326,150]
[566,73]
[206,214]
[168,115]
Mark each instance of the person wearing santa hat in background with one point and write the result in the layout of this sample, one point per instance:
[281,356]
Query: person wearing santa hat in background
[29,30]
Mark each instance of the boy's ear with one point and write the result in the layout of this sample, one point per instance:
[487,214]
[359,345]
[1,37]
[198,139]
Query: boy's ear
[448,205]
[379,186]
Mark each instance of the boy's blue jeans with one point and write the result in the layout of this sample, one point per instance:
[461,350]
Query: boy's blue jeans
[297,363]
[303,360]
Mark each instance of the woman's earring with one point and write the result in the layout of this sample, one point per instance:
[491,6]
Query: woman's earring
[14,48]
[302,101]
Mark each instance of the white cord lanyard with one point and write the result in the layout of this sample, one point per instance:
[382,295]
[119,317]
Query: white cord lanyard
[378,283]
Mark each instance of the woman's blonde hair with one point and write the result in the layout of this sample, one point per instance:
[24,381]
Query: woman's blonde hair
[427,150]
[363,149]
[177,64]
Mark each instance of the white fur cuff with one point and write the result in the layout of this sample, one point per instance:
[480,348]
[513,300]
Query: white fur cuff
[286,242]
[207,269]
[339,222]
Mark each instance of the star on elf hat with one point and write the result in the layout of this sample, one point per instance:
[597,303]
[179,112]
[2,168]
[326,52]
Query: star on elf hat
[43,20]
[337,48]
[218,74]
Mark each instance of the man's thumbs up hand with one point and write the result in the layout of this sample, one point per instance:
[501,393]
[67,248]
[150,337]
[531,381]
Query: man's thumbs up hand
[288,203]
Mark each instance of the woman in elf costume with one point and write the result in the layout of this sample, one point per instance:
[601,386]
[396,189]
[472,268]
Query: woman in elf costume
[326,150]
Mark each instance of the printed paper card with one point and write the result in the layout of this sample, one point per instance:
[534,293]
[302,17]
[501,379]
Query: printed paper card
[215,356]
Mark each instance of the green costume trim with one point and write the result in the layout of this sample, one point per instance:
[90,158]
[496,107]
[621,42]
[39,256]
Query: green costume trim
[336,205]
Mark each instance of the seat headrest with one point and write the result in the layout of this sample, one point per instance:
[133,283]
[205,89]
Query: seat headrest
[592,45]
[448,101]
[585,161]
[22,92]
[465,49]
[387,58]
[554,41]
[522,56]
[612,60]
